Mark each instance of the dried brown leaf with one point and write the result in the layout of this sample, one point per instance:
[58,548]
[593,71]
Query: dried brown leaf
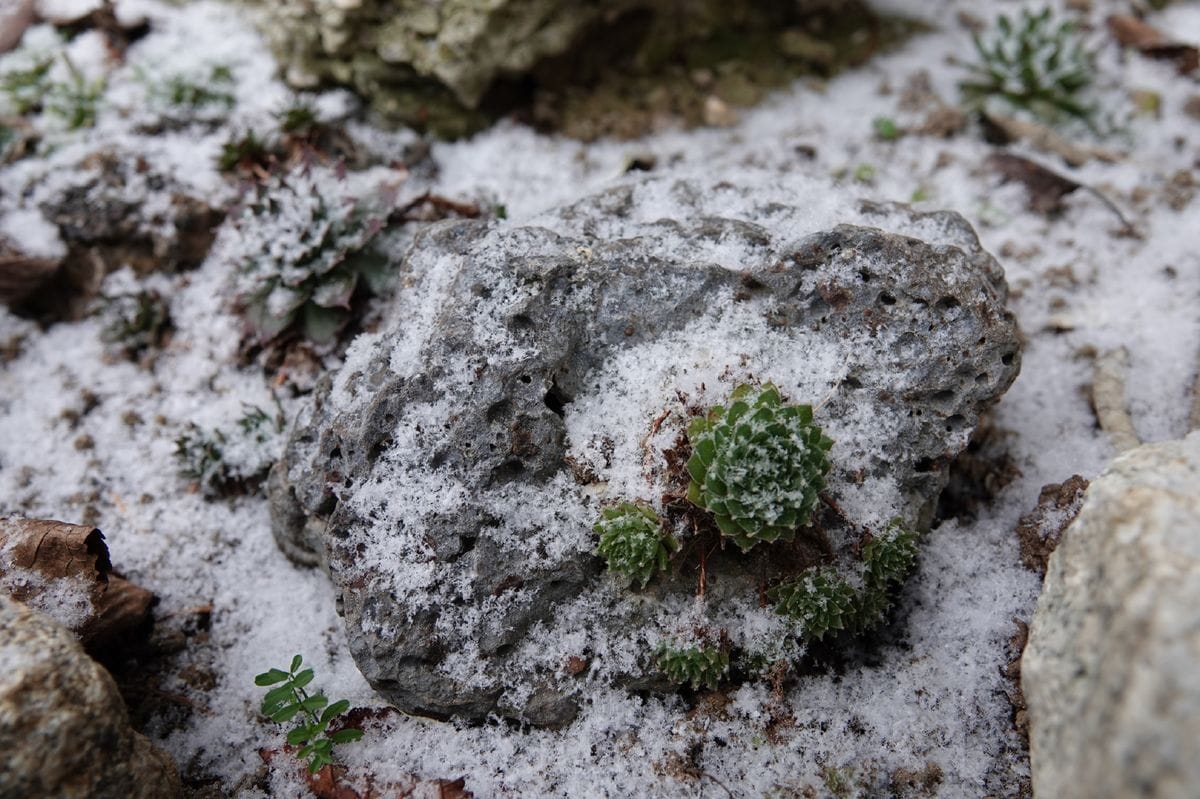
[56,550]
[1046,188]
[1153,43]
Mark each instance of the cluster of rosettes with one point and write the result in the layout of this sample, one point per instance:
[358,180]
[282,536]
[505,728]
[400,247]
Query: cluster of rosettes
[823,601]
[302,254]
[758,466]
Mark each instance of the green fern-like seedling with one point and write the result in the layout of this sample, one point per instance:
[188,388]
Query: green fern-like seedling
[1035,64]
[697,666]
[289,700]
[820,600]
[633,541]
[758,466]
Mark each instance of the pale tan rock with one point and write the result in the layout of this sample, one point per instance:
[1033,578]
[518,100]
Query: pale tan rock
[1110,674]
[64,729]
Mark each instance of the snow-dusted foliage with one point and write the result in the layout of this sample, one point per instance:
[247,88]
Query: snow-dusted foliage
[301,248]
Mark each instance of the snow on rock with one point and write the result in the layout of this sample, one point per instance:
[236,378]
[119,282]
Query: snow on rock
[461,457]
[1110,671]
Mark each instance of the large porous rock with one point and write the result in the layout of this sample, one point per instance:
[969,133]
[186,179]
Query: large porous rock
[64,729]
[1110,673]
[444,64]
[450,474]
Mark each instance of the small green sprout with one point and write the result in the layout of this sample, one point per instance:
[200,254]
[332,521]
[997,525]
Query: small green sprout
[134,321]
[864,173]
[289,699]
[633,541]
[885,128]
[298,119]
[1036,65]
[184,92]
[241,151]
[758,466]
[218,460]
[26,88]
[702,665]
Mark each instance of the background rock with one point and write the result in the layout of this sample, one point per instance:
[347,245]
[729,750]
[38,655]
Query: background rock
[450,473]
[450,65]
[63,726]
[1110,674]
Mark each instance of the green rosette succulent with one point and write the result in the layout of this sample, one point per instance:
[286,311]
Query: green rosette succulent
[302,256]
[697,666]
[1035,64]
[758,466]
[821,600]
[633,541]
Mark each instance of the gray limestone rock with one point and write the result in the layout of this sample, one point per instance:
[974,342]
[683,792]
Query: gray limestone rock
[449,475]
[1110,674]
[64,729]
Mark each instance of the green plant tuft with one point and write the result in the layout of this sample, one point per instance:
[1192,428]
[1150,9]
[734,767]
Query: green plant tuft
[633,541]
[820,600]
[225,461]
[823,601]
[758,466]
[1033,64]
[698,666]
[289,700]
[302,257]
[134,321]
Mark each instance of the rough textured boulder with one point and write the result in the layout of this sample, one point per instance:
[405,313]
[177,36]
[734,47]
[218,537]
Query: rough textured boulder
[64,729]
[435,63]
[1110,673]
[449,476]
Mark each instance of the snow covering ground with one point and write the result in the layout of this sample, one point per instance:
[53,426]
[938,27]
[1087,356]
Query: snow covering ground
[88,437]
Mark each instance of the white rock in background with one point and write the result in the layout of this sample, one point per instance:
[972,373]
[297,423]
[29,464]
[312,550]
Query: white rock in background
[64,729]
[15,17]
[1112,671]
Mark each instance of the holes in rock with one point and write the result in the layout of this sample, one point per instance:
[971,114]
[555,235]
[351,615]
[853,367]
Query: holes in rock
[1007,358]
[955,423]
[978,473]
[886,299]
[923,465]
[520,322]
[508,471]
[982,377]
[556,399]
[497,410]
[865,275]
[334,453]
[378,449]
[439,459]
[852,382]
[946,303]
[946,395]
[526,379]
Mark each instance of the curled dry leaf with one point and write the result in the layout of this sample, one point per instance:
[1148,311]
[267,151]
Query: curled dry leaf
[1047,188]
[1153,43]
[37,555]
